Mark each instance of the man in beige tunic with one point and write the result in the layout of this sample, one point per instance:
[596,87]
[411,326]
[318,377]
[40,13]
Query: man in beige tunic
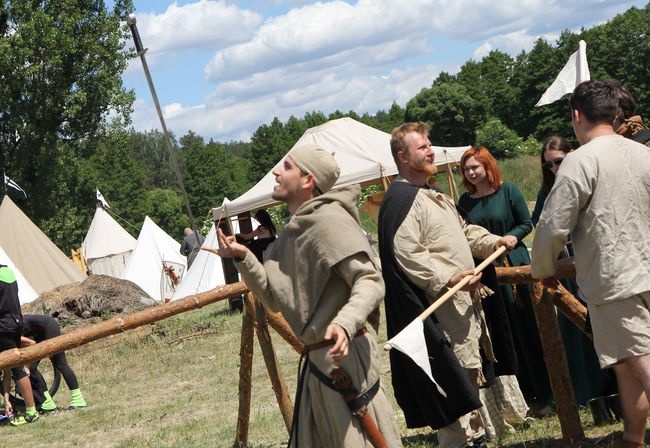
[321,276]
[434,246]
[601,196]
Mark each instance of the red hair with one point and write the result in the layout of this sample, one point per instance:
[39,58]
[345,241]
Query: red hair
[490,164]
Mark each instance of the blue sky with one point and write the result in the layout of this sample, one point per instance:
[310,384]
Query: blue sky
[223,68]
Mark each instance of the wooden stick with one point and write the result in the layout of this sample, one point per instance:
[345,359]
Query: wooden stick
[457,287]
[272,365]
[277,322]
[245,371]
[516,275]
[557,366]
[47,348]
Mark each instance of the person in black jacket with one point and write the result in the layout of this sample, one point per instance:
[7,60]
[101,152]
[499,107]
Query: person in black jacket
[10,333]
[38,328]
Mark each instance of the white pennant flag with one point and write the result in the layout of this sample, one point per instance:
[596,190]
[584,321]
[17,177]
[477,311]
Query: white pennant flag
[574,72]
[410,341]
[14,185]
[100,198]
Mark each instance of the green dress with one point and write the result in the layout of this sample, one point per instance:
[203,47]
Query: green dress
[505,212]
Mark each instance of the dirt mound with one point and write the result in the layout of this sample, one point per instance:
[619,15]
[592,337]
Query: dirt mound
[97,296]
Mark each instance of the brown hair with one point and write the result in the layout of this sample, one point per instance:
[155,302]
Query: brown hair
[397,142]
[552,143]
[490,164]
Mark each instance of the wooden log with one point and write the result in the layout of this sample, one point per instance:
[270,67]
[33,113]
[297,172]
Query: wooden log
[522,274]
[245,371]
[17,357]
[571,307]
[272,366]
[277,322]
[557,366]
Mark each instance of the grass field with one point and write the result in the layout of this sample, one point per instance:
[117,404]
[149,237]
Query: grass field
[174,384]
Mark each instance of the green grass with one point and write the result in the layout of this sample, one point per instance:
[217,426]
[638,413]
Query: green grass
[177,386]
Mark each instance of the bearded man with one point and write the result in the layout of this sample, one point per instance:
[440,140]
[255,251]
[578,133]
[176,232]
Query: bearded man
[426,247]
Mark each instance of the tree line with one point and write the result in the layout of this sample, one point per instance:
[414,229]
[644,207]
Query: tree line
[65,116]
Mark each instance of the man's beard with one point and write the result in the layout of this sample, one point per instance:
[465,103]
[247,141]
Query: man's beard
[426,168]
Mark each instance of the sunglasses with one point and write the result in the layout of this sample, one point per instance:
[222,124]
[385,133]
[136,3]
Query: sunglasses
[556,162]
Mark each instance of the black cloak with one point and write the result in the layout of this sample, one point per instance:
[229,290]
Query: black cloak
[418,397]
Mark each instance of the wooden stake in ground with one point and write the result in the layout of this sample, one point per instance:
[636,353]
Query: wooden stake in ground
[557,366]
[245,370]
[272,365]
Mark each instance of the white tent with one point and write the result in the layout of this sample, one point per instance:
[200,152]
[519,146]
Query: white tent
[26,293]
[42,263]
[107,246]
[206,272]
[154,250]
[362,152]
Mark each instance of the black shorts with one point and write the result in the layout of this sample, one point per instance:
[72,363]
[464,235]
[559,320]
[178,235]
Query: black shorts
[10,341]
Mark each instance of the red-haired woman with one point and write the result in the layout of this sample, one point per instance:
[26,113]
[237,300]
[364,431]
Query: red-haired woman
[500,207]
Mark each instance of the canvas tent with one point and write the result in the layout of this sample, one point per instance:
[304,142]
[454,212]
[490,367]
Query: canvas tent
[107,246]
[206,272]
[26,293]
[154,250]
[362,152]
[42,263]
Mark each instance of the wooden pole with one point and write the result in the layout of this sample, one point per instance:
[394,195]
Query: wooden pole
[19,357]
[571,307]
[457,287]
[245,371]
[566,302]
[277,322]
[272,365]
[522,274]
[557,366]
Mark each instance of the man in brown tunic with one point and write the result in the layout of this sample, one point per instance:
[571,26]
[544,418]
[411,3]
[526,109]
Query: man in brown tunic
[321,275]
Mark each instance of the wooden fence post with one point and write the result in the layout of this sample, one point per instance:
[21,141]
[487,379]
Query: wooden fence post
[557,366]
[245,370]
[271,361]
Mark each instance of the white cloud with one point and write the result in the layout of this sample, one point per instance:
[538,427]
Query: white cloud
[224,121]
[344,56]
[512,43]
[313,32]
[204,24]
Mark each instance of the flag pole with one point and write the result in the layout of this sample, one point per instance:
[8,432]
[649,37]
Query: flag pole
[457,287]
[131,21]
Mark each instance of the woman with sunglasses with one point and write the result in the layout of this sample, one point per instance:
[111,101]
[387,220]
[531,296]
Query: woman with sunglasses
[554,150]
[500,208]
[588,380]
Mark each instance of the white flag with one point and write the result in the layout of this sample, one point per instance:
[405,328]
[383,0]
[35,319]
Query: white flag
[101,199]
[14,185]
[574,72]
[410,341]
